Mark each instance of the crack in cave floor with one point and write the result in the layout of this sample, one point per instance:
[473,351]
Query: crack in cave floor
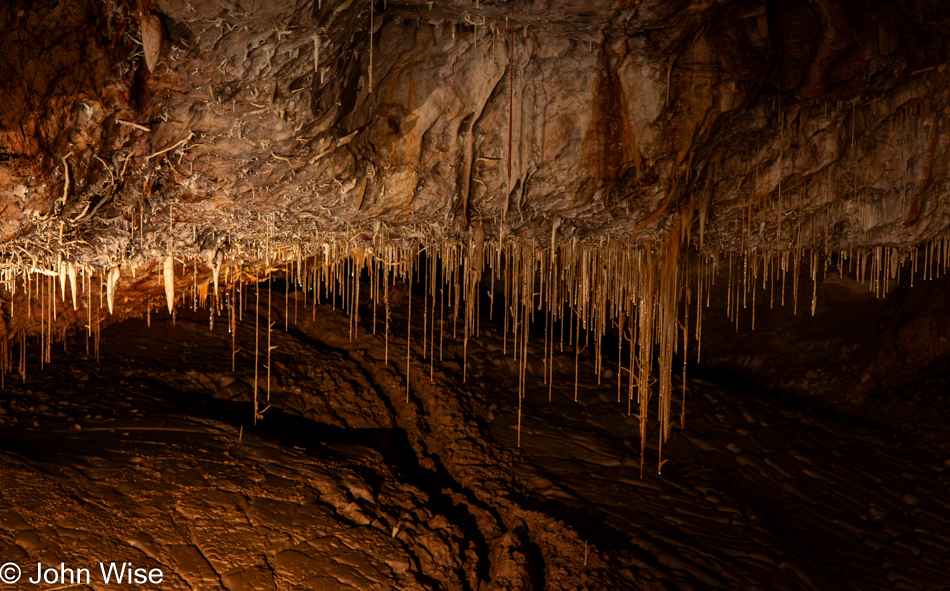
[150,456]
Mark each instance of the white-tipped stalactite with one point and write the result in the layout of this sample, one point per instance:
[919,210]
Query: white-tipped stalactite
[168,279]
[111,280]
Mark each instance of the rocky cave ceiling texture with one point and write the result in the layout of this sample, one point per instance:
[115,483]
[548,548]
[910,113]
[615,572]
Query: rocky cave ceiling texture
[585,174]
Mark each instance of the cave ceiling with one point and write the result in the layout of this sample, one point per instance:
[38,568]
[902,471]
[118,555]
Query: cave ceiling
[128,130]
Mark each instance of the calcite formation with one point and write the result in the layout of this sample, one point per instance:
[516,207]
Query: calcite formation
[599,160]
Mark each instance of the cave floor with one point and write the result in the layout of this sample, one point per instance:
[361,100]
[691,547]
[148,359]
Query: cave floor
[753,494]
[151,456]
[212,511]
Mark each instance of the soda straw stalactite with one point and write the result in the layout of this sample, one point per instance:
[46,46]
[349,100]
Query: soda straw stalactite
[582,289]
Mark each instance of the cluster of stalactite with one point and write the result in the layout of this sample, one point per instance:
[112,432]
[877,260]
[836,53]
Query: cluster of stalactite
[651,296]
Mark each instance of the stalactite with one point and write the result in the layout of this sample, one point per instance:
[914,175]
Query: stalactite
[61,272]
[589,288]
[71,273]
[441,317]
[98,327]
[270,328]
[42,340]
[168,277]
[232,320]
[112,280]
[216,274]
[257,338]
[408,338]
[386,299]
[431,290]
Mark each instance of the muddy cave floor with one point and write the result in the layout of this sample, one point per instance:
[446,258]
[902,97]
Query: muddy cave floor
[150,455]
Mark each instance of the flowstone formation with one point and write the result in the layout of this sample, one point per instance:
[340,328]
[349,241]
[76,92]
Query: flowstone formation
[596,166]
